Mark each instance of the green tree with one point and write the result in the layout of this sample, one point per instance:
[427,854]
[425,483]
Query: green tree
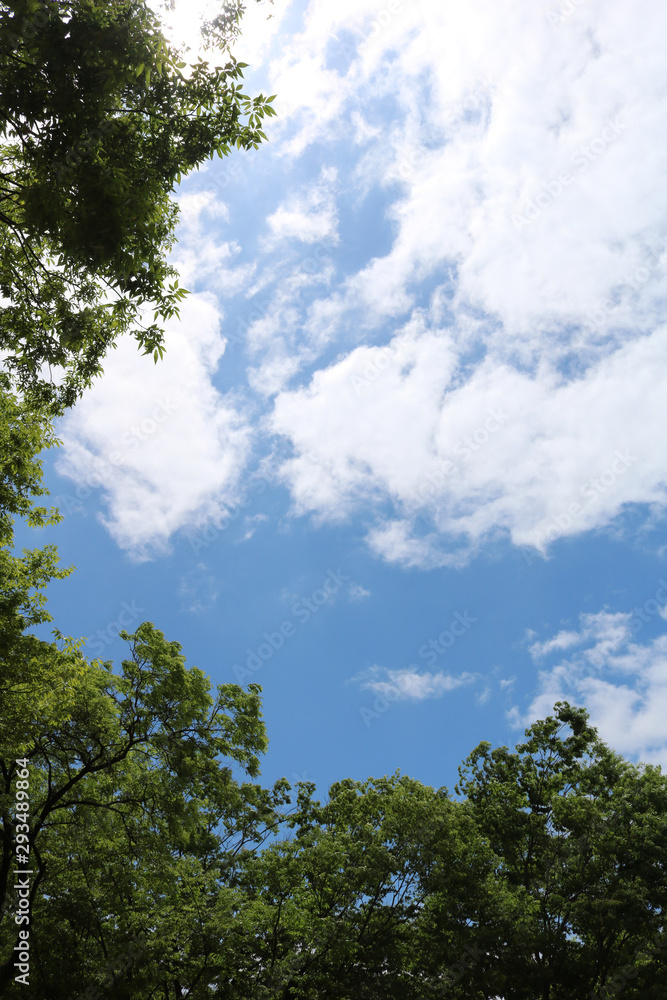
[25,431]
[135,818]
[136,810]
[370,897]
[334,905]
[581,838]
[100,117]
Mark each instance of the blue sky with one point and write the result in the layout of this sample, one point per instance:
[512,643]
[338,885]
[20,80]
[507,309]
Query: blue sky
[403,463]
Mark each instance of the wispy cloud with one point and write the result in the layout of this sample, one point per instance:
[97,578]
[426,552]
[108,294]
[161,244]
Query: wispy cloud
[198,590]
[408,684]
[309,216]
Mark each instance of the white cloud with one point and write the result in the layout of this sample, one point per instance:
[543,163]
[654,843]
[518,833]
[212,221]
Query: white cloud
[622,683]
[162,444]
[251,523]
[499,357]
[201,259]
[281,331]
[408,684]
[529,164]
[476,452]
[309,216]
[357,593]
[312,97]
[605,632]
[563,640]
[485,130]
[260,24]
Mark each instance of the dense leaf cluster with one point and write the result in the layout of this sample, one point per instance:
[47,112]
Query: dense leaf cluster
[160,873]
[100,117]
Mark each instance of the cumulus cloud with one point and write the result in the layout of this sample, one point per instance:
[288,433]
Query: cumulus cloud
[533,455]
[524,184]
[491,367]
[201,257]
[621,681]
[161,443]
[530,165]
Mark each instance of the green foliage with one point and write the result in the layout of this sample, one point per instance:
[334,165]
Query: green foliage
[159,873]
[334,906]
[100,119]
[134,813]
[581,837]
[25,431]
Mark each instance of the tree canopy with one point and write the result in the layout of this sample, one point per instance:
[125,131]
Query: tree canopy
[133,815]
[159,871]
[100,117]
